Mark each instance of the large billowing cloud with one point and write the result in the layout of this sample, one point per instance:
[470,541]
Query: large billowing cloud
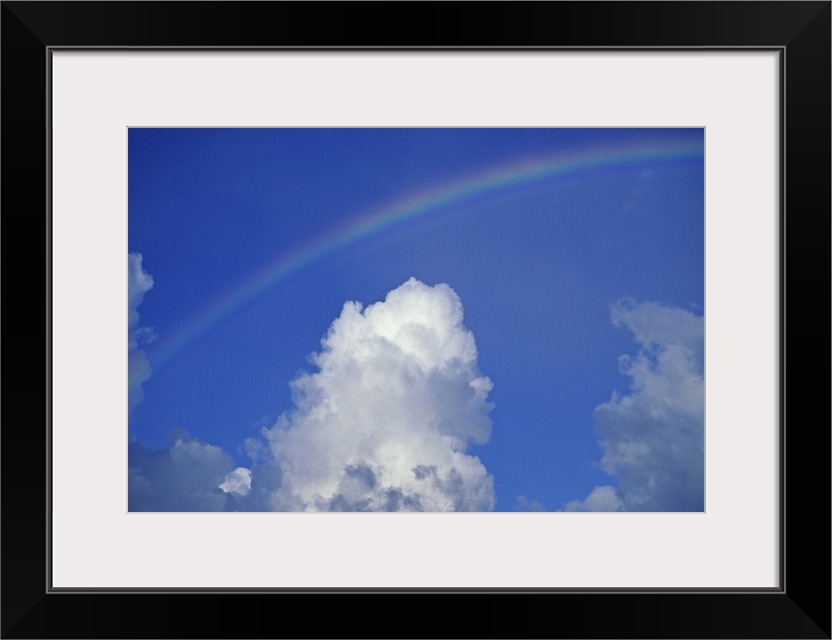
[653,438]
[384,423]
[139,282]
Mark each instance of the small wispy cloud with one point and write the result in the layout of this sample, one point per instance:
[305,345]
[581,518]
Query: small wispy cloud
[139,282]
[653,438]
[237,482]
[522,503]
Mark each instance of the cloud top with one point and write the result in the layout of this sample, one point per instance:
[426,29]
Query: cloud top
[385,422]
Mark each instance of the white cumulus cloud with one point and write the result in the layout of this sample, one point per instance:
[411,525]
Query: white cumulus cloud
[385,422]
[653,438]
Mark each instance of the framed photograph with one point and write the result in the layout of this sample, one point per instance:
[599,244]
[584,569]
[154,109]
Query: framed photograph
[515,260]
[498,241]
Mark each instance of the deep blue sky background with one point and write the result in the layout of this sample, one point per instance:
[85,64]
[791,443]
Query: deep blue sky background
[536,269]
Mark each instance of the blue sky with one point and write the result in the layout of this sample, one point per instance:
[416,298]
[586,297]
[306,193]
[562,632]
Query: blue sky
[573,259]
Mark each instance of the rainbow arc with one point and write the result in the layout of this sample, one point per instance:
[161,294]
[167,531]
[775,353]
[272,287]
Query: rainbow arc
[439,200]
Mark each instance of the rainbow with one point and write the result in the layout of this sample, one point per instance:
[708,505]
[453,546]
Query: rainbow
[527,173]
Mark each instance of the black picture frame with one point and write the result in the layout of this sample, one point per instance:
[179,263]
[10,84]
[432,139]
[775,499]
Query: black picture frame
[799,608]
